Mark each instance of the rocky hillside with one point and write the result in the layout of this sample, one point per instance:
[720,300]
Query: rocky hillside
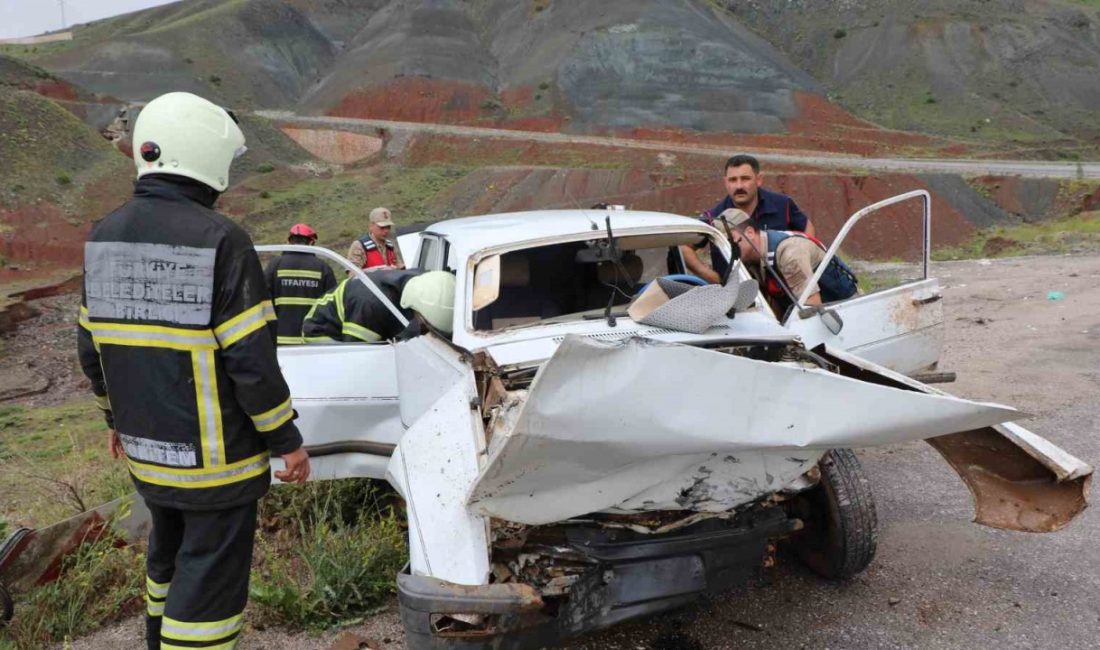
[567,66]
[683,64]
[1018,71]
[1013,69]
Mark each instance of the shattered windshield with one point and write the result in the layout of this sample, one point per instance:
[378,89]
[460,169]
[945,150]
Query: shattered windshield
[569,281]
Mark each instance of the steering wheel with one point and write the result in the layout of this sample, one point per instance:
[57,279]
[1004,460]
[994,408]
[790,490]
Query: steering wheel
[686,278]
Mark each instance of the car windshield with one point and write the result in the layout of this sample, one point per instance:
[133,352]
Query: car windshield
[567,281]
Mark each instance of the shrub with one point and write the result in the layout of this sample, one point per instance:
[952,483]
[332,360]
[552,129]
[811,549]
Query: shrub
[215,79]
[840,32]
[63,179]
[265,194]
[265,168]
[347,502]
[334,557]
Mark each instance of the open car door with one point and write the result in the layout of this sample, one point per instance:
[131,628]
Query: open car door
[900,328]
[345,394]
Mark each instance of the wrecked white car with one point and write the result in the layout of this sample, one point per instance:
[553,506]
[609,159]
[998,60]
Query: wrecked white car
[567,466]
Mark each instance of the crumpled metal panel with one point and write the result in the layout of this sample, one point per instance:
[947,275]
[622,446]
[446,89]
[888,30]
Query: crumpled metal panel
[605,424]
[436,461]
[1019,480]
[431,468]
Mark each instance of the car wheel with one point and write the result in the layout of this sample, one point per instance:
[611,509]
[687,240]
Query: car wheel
[841,527]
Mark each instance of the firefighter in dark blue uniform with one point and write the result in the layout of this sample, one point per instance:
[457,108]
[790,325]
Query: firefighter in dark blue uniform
[768,211]
[176,333]
[295,281]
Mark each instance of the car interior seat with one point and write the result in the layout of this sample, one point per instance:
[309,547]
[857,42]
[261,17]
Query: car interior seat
[519,302]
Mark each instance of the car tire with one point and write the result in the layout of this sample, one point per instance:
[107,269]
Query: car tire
[840,531]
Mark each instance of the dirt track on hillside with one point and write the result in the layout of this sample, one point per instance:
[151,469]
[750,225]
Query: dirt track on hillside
[938,580]
[1027,168]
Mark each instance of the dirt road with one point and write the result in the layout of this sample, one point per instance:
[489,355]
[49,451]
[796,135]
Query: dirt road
[938,581]
[1028,168]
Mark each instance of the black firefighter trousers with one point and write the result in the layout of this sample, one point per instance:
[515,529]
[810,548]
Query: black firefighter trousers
[197,577]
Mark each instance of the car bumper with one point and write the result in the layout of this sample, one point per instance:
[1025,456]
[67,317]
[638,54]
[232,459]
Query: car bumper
[630,579]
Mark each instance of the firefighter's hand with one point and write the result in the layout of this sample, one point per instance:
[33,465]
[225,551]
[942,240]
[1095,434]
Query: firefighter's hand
[114,445]
[297,467]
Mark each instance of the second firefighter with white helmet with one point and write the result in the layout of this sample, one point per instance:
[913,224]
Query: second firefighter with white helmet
[353,313]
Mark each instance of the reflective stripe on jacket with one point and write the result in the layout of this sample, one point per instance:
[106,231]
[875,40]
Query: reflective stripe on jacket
[176,333]
[353,313]
[296,281]
[375,257]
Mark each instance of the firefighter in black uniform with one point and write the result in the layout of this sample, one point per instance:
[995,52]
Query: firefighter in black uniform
[176,334]
[354,314]
[295,281]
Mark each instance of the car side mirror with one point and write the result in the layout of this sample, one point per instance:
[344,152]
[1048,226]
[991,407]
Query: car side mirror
[832,320]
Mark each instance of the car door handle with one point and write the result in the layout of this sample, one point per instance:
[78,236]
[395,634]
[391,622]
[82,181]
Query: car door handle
[928,300]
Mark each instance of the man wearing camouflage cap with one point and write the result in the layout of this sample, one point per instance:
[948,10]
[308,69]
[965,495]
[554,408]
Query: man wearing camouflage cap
[375,249]
[777,258]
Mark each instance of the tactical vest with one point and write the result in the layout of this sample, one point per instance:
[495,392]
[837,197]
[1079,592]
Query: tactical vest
[836,283]
[375,257]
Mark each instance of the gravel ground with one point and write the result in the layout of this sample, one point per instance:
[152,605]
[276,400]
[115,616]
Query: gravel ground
[38,366]
[939,581]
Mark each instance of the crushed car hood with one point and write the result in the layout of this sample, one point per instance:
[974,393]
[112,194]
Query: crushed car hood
[645,425]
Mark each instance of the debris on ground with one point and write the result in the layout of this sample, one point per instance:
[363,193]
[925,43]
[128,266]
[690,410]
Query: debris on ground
[349,641]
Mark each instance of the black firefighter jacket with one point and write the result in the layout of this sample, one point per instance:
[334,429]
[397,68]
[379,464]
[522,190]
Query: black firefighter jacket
[353,313]
[177,336]
[296,281]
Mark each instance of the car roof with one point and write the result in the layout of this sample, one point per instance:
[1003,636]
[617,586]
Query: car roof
[471,234]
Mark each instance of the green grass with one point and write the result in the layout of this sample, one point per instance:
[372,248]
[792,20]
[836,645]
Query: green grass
[33,52]
[42,145]
[334,556]
[215,12]
[55,461]
[14,72]
[1077,234]
[100,583]
[337,206]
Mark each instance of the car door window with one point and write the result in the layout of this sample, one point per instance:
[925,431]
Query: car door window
[433,253]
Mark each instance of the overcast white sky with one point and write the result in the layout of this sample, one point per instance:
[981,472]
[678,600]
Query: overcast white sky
[31,17]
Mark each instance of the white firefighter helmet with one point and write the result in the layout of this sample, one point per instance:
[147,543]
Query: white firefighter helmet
[432,295]
[186,135]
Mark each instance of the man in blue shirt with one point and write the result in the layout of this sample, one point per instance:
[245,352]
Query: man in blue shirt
[768,210]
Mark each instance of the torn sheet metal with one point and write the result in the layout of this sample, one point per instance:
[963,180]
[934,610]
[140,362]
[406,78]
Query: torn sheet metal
[616,426]
[436,461]
[432,467]
[1019,480]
